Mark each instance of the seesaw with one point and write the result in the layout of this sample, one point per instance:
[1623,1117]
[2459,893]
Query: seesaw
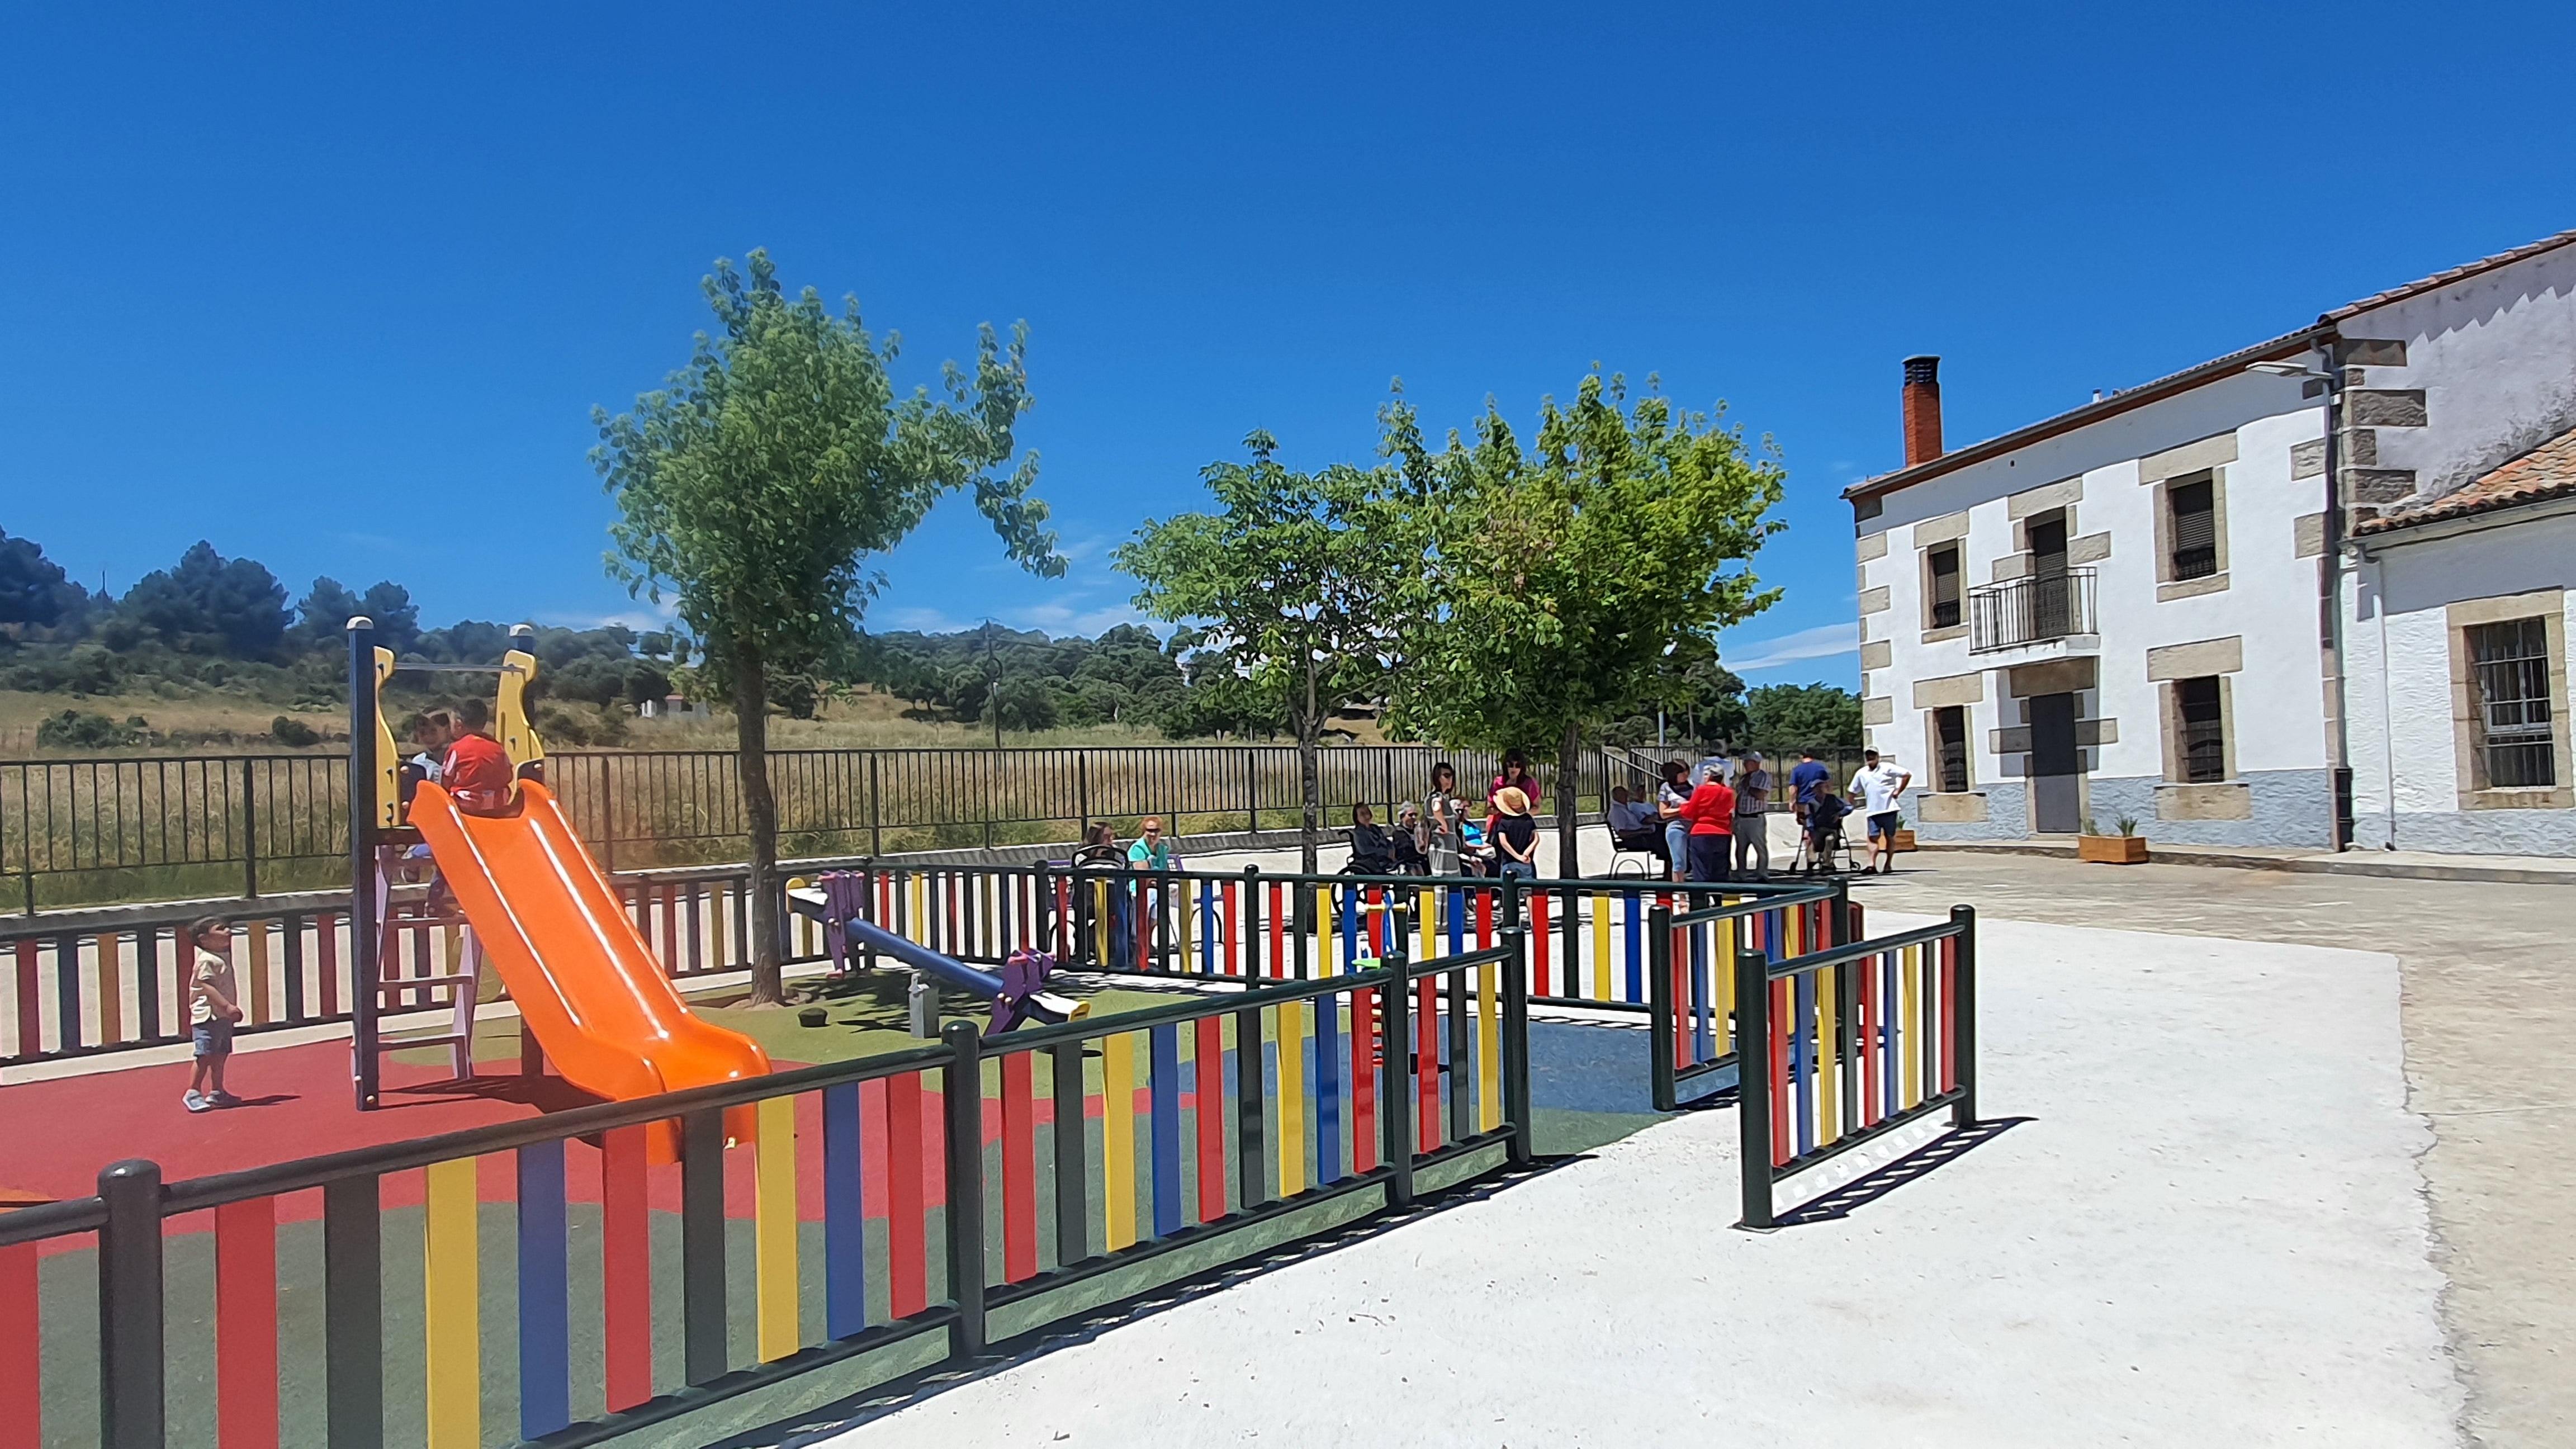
[839,900]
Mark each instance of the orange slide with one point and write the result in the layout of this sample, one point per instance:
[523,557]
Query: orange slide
[583,978]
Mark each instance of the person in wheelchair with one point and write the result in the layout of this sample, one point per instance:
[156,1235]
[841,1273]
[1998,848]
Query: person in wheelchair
[1372,849]
[1100,852]
[1410,842]
[1824,822]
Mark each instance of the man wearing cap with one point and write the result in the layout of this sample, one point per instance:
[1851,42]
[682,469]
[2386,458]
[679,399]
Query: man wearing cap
[1752,826]
[1879,787]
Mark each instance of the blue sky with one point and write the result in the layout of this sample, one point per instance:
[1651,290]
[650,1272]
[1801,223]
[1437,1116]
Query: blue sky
[338,290]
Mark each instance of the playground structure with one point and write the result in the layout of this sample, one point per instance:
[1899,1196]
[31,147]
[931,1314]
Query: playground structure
[1351,1035]
[1384,1052]
[536,907]
[840,900]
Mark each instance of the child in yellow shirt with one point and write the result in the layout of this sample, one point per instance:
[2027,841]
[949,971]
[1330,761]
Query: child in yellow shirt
[212,1010]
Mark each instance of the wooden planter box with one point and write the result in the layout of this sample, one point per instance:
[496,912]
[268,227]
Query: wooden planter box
[2112,849]
[1904,841]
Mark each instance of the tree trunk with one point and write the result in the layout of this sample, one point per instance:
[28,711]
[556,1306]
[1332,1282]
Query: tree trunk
[1310,772]
[751,723]
[1569,780]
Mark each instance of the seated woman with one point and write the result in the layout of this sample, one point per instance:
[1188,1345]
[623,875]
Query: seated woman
[1097,903]
[1634,825]
[1372,852]
[1410,837]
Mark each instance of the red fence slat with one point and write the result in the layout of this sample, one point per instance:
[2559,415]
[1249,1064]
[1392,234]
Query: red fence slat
[626,1269]
[246,1324]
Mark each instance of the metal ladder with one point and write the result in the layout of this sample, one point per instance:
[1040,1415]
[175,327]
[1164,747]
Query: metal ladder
[462,980]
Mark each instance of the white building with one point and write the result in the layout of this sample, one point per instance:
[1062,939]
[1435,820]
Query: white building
[2310,593]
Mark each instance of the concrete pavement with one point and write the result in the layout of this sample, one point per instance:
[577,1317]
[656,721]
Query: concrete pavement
[2210,1229]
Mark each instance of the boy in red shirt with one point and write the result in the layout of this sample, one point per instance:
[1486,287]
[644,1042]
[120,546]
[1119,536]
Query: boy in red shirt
[476,771]
[1711,813]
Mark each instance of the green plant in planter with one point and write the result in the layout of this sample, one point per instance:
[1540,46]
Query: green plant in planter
[2128,824]
[2089,826]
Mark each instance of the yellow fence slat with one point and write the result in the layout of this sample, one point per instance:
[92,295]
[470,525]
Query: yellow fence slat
[1291,1018]
[1489,1052]
[451,1303]
[1118,1139]
[774,1228]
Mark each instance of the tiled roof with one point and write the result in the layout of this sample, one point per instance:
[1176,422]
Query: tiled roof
[2444,279]
[2190,377]
[2548,471]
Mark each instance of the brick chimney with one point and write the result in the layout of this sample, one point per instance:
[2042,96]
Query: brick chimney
[1922,410]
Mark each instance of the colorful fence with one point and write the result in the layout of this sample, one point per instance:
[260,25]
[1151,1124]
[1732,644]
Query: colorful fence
[1849,1043]
[1606,945]
[1589,941]
[811,1216]
[118,979]
[1691,975]
[71,990]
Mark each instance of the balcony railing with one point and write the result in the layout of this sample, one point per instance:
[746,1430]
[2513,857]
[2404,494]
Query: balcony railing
[2031,610]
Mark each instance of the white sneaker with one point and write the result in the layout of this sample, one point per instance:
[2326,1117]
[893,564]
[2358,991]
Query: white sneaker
[196,1101]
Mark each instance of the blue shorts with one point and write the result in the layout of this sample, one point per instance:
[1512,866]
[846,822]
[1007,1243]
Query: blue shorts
[1885,824]
[212,1038]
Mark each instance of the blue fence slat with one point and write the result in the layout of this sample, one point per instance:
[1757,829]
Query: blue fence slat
[1167,1129]
[545,1323]
[845,1243]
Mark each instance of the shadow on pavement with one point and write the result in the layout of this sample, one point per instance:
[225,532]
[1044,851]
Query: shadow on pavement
[895,1395]
[1878,1182]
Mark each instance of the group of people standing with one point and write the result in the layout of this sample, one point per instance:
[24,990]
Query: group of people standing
[1495,836]
[1451,834]
[1710,821]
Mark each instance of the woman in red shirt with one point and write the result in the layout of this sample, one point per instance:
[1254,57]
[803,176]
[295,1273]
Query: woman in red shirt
[1711,813]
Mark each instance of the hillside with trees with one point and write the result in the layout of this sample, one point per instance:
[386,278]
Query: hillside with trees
[215,651]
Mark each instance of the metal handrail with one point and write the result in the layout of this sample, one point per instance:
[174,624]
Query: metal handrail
[2031,610]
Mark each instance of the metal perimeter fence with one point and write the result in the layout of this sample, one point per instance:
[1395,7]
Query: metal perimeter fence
[935,1203]
[147,828]
[893,1213]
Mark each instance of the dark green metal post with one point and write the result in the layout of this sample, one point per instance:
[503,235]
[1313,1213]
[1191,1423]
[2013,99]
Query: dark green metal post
[365,970]
[353,1313]
[702,1246]
[1659,1008]
[1963,1005]
[1396,1116]
[129,1307]
[1516,1048]
[1072,1156]
[963,1096]
[1753,1082]
[250,829]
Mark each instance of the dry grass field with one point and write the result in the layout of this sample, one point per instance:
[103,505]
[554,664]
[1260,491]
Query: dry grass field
[865,721]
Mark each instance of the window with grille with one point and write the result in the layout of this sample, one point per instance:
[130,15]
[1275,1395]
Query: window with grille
[2203,730]
[1944,563]
[2509,662]
[1950,734]
[2194,528]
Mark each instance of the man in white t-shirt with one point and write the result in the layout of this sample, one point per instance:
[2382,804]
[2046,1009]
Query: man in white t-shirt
[1878,786]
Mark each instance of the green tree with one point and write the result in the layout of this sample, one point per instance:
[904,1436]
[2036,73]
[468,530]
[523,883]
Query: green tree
[1560,572]
[210,604]
[325,611]
[1297,576]
[32,588]
[757,484]
[1702,699]
[1803,716]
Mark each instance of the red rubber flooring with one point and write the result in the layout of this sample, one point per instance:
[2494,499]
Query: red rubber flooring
[298,1104]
